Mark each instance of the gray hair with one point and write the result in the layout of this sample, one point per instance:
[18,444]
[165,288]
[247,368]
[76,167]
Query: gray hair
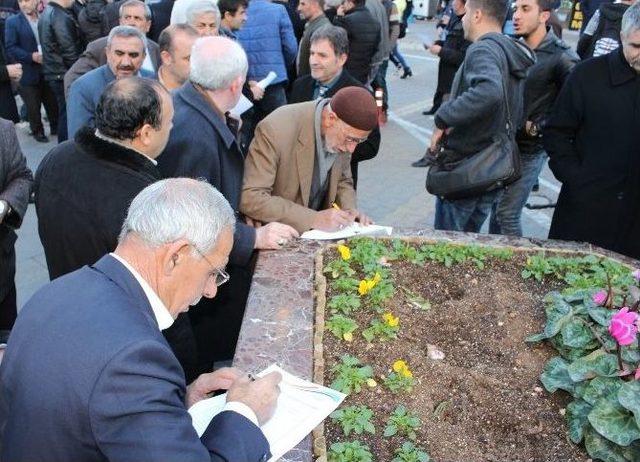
[216,62]
[336,36]
[179,208]
[631,19]
[147,10]
[202,7]
[126,31]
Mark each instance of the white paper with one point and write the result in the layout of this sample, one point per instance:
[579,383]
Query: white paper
[264,83]
[244,104]
[355,229]
[298,411]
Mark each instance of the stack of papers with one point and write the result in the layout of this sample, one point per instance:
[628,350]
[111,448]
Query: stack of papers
[302,405]
[355,229]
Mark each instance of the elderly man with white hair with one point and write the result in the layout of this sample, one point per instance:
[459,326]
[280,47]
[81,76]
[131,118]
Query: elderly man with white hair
[203,15]
[87,370]
[203,144]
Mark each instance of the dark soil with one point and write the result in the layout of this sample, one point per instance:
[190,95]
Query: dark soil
[495,408]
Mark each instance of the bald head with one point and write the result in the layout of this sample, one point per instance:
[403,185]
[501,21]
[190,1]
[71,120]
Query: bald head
[175,44]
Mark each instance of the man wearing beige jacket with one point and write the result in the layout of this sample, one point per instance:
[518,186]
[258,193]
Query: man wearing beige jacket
[298,169]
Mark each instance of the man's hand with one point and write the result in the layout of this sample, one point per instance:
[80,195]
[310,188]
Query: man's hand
[253,223]
[435,49]
[256,91]
[341,10]
[332,219]
[261,395]
[274,235]
[222,379]
[14,71]
[436,138]
[360,217]
[36,57]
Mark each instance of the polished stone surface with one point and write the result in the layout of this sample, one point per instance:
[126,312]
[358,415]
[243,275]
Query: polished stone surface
[279,318]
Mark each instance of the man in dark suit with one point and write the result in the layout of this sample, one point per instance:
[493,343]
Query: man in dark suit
[218,70]
[160,17]
[133,13]
[22,43]
[15,186]
[86,369]
[328,53]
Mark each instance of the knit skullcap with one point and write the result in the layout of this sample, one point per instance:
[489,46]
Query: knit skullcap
[356,107]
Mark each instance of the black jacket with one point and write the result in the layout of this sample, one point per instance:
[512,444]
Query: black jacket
[303,89]
[160,17]
[592,141]
[15,186]
[363,31]
[83,191]
[554,61]
[606,36]
[452,54]
[60,39]
[8,109]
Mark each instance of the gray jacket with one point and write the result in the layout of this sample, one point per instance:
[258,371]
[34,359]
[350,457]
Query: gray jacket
[476,111]
[15,186]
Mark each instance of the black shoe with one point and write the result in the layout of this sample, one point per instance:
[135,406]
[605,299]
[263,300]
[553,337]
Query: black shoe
[430,112]
[407,73]
[40,138]
[425,161]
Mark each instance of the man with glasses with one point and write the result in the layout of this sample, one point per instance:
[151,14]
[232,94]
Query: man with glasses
[83,188]
[298,167]
[113,388]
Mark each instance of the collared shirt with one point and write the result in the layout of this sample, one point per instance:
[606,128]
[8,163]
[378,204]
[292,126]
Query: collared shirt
[147,64]
[323,161]
[320,89]
[111,140]
[165,320]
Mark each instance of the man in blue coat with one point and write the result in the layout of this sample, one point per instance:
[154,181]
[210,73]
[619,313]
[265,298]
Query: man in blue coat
[87,374]
[22,45]
[125,55]
[218,70]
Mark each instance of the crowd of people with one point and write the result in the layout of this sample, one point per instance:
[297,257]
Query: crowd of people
[193,133]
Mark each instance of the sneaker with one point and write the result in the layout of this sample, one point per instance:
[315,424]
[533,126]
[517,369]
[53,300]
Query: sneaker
[426,161]
[430,112]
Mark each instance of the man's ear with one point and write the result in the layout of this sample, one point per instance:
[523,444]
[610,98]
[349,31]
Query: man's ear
[165,56]
[174,255]
[545,16]
[343,59]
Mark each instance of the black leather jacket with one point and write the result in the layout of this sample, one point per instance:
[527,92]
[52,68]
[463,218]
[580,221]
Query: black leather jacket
[363,31]
[61,42]
[554,62]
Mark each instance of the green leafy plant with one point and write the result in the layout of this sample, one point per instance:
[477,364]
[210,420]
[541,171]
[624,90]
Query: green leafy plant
[344,303]
[382,291]
[353,451]
[416,300]
[402,422]
[368,253]
[345,284]
[350,375]
[339,268]
[341,326]
[385,328]
[409,452]
[354,419]
[450,254]
[401,378]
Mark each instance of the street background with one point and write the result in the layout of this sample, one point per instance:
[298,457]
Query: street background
[389,190]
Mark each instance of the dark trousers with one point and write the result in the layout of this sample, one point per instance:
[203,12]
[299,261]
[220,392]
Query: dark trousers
[57,87]
[34,96]
[8,309]
[274,97]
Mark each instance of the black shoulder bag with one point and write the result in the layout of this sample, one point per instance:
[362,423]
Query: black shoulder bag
[453,176]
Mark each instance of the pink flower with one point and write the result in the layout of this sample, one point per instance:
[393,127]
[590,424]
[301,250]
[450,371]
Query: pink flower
[636,274]
[622,327]
[600,297]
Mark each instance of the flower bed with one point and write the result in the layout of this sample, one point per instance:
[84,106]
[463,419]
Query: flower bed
[430,342]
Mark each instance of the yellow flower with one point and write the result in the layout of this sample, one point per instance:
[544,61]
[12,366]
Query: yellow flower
[345,253]
[401,368]
[390,319]
[377,278]
[365,286]
[372,383]
[348,336]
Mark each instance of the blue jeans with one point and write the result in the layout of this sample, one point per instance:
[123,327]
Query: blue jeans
[397,58]
[466,215]
[506,213]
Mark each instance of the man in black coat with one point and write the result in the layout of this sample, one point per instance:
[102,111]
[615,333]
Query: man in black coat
[15,186]
[363,31]
[160,18]
[203,144]
[592,142]
[84,186]
[8,73]
[328,53]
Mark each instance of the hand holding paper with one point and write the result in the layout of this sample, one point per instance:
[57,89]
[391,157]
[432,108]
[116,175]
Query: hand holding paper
[264,83]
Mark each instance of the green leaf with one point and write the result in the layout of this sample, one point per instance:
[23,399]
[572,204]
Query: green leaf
[390,430]
[555,376]
[629,398]
[535,338]
[558,314]
[577,412]
[614,422]
[576,334]
[602,449]
[598,363]
[600,387]
[601,315]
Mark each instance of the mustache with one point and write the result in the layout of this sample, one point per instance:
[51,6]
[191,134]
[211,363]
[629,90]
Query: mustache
[125,68]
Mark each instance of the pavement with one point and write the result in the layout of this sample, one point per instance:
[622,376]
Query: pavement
[389,189]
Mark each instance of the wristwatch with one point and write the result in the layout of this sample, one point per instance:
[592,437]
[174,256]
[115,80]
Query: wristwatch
[534,130]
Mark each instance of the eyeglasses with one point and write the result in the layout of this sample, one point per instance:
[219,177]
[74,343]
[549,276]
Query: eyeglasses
[221,276]
[351,139]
